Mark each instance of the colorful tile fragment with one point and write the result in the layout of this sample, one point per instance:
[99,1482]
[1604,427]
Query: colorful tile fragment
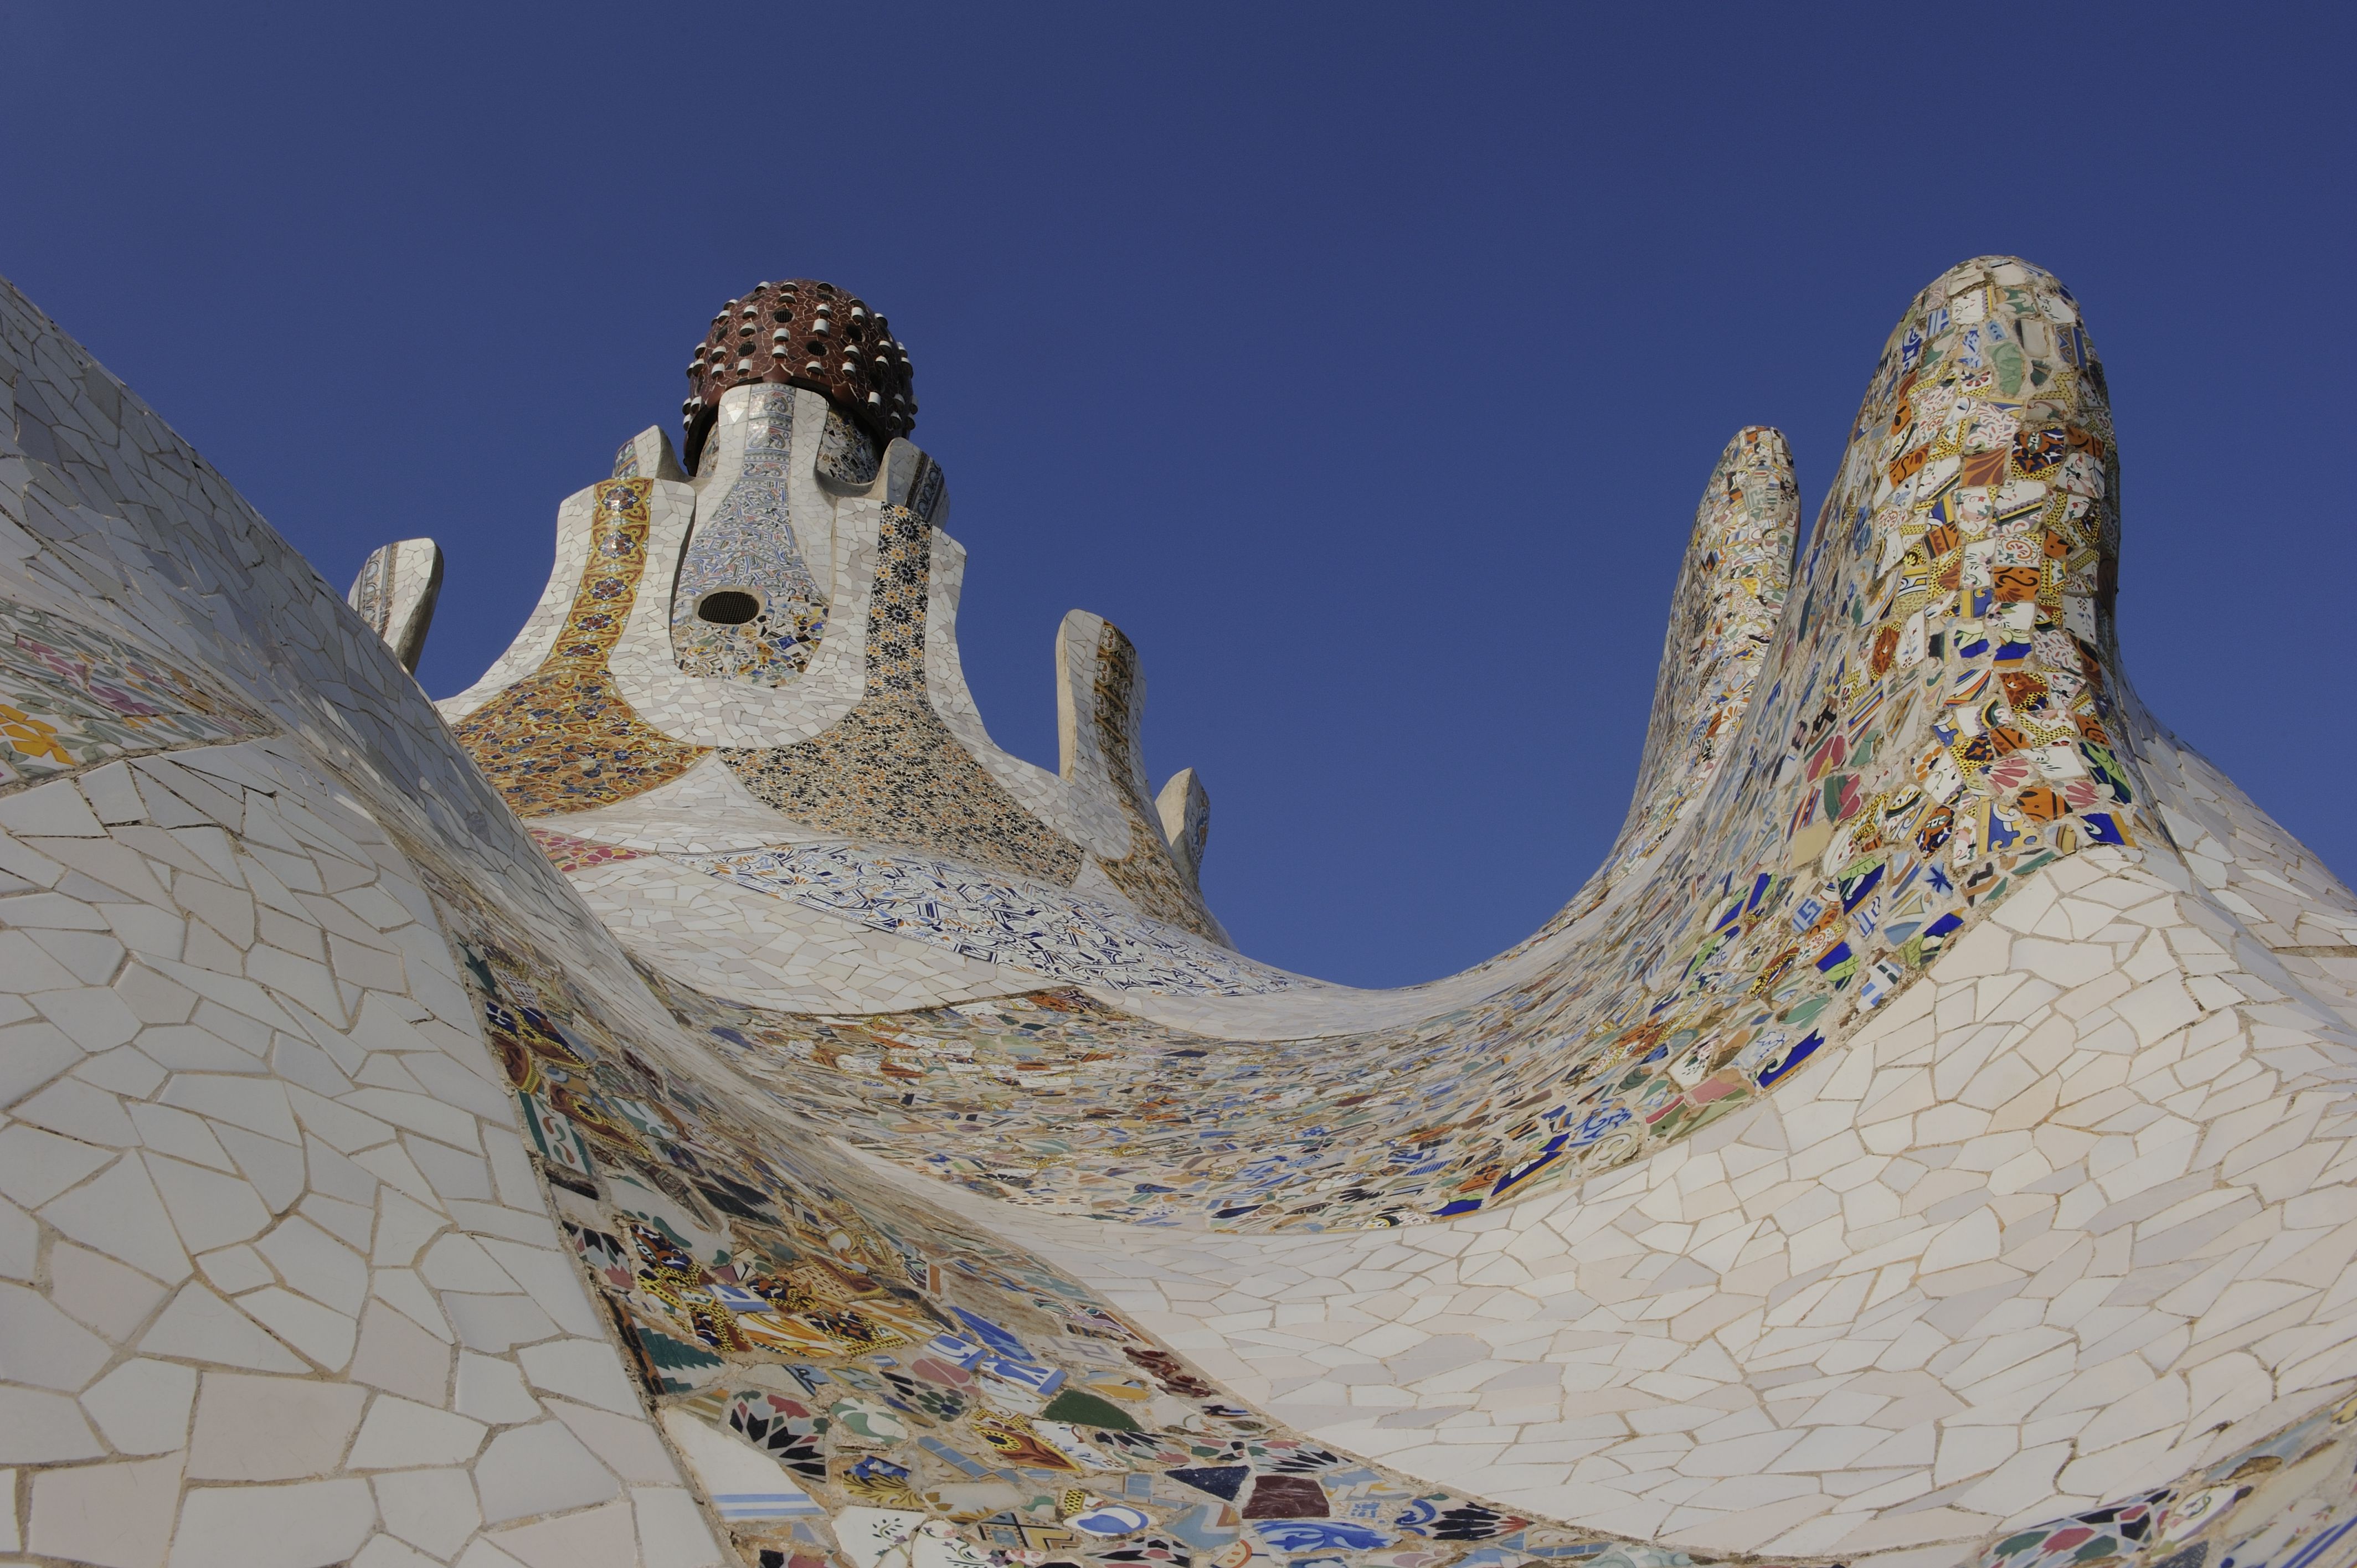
[72,696]
[889,770]
[981,916]
[569,853]
[563,738]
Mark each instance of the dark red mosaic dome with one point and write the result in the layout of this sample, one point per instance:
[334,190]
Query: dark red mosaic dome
[802,333]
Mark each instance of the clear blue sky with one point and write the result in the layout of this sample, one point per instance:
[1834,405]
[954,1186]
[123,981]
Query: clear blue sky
[1364,363]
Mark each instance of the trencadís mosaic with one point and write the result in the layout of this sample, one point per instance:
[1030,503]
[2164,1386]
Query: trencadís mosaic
[745,606]
[1927,1143]
[563,739]
[72,696]
[1932,732]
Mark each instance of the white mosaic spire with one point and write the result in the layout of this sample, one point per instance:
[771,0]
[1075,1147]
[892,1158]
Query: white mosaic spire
[395,592]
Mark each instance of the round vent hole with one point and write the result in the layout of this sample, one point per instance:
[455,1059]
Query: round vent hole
[727,607]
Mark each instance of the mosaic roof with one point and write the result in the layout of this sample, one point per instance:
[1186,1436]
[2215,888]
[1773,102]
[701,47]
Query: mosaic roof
[695,1099]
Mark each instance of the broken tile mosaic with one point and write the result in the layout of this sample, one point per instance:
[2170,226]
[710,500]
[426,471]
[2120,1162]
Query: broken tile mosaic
[71,695]
[976,915]
[1924,1144]
[745,606]
[889,770]
[563,738]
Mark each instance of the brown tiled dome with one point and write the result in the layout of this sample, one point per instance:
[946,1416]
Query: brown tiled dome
[809,334]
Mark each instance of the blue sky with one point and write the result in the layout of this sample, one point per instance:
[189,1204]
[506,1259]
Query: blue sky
[1363,363]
